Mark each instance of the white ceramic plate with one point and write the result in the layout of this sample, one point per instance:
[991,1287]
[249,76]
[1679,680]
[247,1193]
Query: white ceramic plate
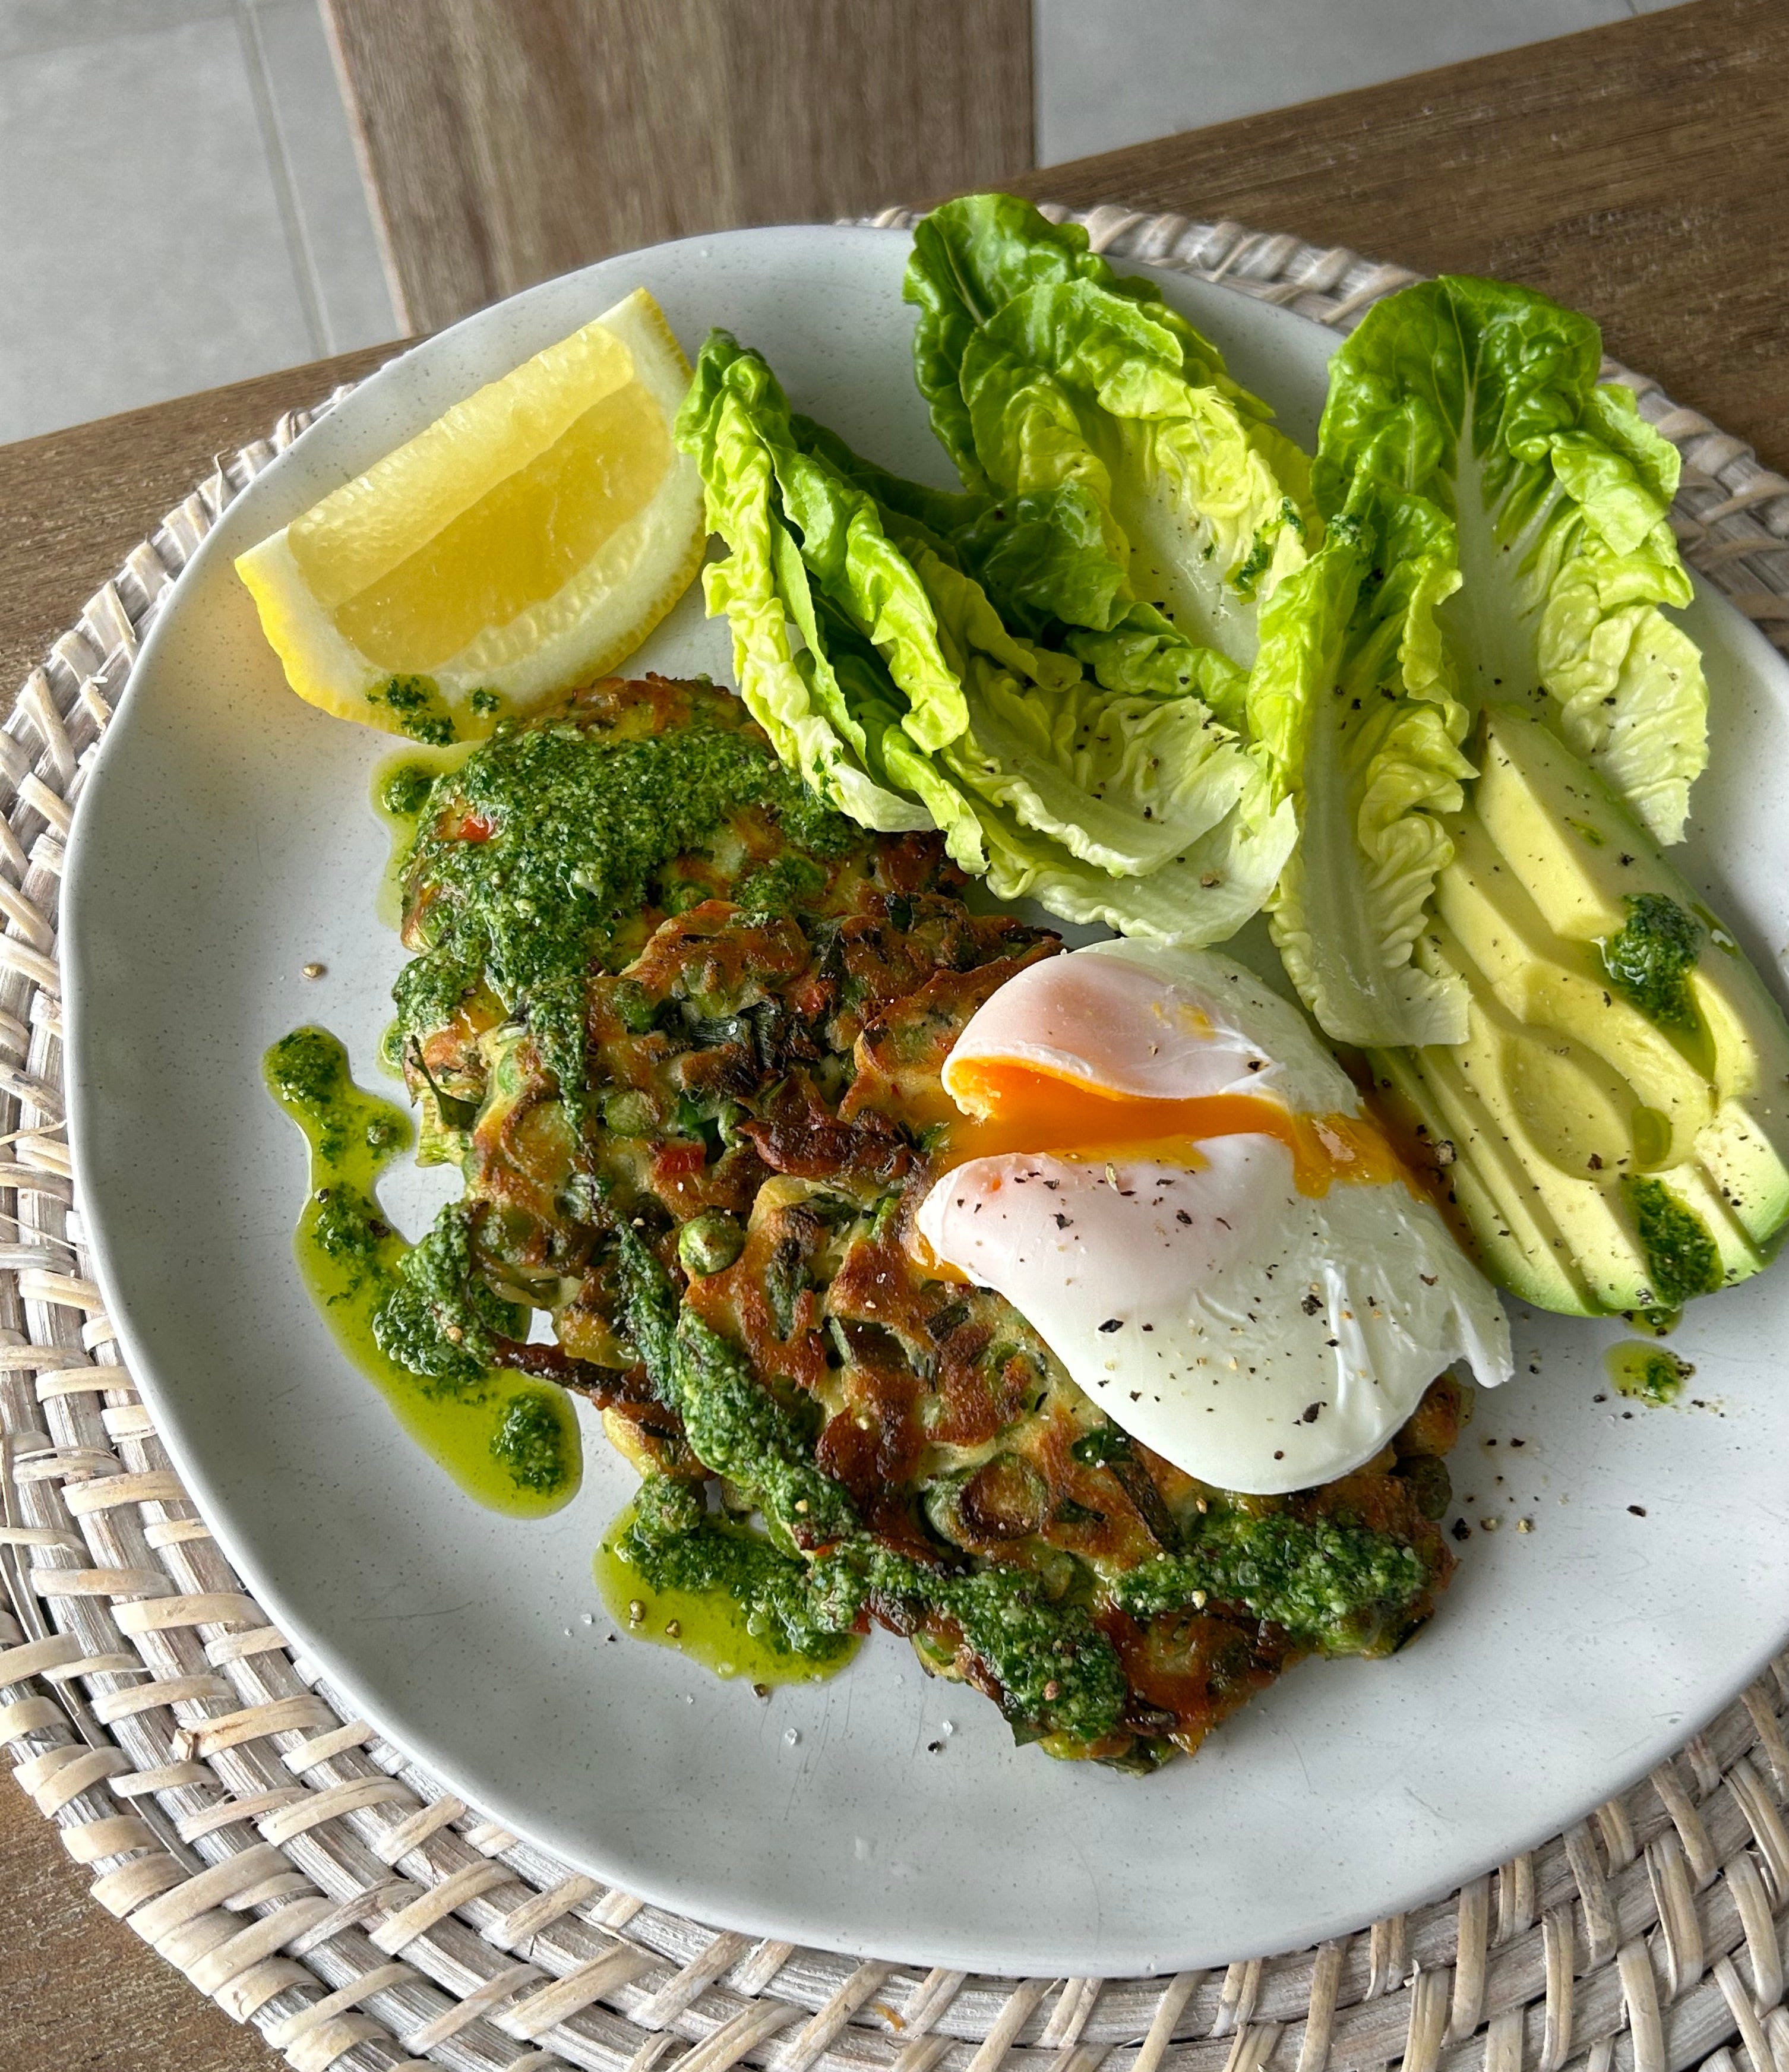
[225,841]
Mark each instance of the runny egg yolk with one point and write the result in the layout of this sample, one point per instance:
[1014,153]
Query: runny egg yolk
[1009,1106]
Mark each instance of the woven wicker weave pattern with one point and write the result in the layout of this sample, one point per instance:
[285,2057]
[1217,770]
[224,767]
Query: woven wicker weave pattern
[312,1881]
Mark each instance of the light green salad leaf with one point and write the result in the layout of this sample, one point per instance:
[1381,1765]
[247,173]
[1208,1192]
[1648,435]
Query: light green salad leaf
[1135,805]
[1123,466]
[1484,398]
[1125,784]
[1353,699]
[762,587]
[1130,672]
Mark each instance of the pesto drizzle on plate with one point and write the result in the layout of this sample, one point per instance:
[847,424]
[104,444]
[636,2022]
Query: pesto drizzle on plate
[671,1573]
[509,1441]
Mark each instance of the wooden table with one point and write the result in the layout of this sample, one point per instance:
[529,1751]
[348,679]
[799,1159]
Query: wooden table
[1639,171]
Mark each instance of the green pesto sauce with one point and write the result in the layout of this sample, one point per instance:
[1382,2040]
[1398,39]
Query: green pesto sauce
[779,887]
[579,824]
[417,708]
[1339,1589]
[401,787]
[1649,960]
[1060,1678]
[1680,1256]
[1059,1674]
[509,1441]
[1647,1373]
[439,1319]
[1344,1589]
[720,1593]
[1250,569]
[1260,552]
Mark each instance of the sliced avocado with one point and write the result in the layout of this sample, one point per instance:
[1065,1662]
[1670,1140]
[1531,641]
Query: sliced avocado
[1585,861]
[1553,984]
[1552,1208]
[1595,1237]
[1481,1186]
[1746,1170]
[1550,1215]
[1751,1068]
[1626,1071]
[1578,852]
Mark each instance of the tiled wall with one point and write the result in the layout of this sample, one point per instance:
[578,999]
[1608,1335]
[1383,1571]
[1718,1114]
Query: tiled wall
[179,203]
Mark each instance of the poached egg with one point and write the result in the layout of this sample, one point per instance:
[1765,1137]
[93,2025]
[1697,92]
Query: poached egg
[1159,1166]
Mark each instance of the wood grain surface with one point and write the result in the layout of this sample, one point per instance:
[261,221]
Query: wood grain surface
[73,503]
[1640,172]
[505,144]
[78,1992]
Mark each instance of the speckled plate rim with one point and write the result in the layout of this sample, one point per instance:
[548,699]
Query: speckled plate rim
[713,1903]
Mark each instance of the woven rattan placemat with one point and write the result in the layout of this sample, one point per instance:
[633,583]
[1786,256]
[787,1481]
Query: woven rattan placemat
[313,1880]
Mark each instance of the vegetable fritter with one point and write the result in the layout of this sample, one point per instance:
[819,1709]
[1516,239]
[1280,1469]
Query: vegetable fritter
[681,1028]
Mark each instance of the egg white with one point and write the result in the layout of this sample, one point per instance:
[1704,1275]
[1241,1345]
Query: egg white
[1165,1024]
[1261,1339]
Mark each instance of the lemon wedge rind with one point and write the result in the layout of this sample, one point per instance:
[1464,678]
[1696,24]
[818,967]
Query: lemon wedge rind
[301,577]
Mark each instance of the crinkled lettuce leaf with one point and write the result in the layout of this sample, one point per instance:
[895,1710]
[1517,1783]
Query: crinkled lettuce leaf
[762,587]
[1144,656]
[1353,698]
[973,255]
[1203,896]
[1484,398]
[937,515]
[1122,464]
[845,545]
[1126,784]
[1135,806]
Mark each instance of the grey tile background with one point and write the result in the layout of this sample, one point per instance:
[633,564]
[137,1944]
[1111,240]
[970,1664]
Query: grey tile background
[180,204]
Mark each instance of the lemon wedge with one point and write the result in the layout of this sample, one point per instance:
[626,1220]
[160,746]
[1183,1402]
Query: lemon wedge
[527,540]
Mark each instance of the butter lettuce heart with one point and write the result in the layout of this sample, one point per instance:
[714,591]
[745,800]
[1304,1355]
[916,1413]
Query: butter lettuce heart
[1352,698]
[1134,806]
[1122,466]
[1484,398]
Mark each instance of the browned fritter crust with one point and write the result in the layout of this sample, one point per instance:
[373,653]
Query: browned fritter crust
[782,1069]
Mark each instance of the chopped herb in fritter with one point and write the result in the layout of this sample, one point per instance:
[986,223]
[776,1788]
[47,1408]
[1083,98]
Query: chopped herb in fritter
[549,833]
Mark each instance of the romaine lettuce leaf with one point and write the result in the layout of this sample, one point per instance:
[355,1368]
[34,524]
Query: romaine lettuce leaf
[845,545]
[1352,696]
[973,255]
[1140,811]
[892,758]
[1144,655]
[1123,463]
[937,514]
[1126,784]
[1484,397]
[1203,896]
[762,586]
[1134,806]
